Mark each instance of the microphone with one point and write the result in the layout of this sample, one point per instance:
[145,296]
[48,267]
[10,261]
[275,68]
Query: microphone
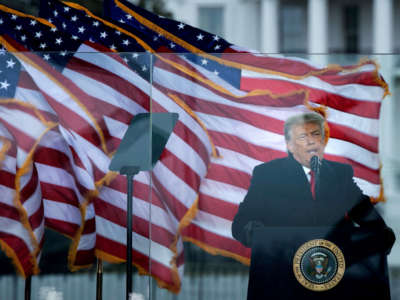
[315,164]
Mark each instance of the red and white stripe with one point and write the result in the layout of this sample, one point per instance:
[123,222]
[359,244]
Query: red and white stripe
[93,115]
[183,164]
[353,99]
[247,134]
[63,179]
[58,194]
[13,234]
[22,213]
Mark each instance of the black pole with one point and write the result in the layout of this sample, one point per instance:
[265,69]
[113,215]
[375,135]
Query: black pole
[129,177]
[99,280]
[129,171]
[28,284]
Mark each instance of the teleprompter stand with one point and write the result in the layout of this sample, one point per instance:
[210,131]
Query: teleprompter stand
[139,150]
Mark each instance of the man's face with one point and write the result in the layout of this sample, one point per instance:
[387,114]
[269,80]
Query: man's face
[305,142]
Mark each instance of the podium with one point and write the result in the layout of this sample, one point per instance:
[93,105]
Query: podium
[304,263]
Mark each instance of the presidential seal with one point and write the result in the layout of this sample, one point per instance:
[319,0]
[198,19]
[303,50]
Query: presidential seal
[318,265]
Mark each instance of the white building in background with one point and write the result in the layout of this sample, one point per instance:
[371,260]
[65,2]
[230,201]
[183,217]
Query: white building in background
[315,27]
[297,26]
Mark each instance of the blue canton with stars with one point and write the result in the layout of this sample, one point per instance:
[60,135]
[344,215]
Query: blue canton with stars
[52,45]
[202,40]
[10,69]
[198,38]
[81,25]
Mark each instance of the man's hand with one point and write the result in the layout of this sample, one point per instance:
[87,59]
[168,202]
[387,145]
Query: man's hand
[249,230]
[390,238]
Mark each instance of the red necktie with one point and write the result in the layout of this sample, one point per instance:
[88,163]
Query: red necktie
[312,183]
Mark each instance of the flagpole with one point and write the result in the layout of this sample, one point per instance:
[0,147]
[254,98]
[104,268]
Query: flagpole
[28,284]
[99,280]
[129,171]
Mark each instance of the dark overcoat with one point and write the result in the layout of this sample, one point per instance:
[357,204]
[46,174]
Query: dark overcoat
[280,199]
[280,195]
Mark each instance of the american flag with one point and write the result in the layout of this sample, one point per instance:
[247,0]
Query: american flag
[183,66]
[63,178]
[208,91]
[21,213]
[245,133]
[93,97]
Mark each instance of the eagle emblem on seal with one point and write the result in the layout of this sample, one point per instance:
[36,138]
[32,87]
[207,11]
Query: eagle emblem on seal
[319,265]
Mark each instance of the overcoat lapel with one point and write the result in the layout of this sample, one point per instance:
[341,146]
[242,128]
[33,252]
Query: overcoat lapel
[299,183]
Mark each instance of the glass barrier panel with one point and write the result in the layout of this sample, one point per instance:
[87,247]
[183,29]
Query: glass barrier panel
[250,220]
[63,117]
[223,202]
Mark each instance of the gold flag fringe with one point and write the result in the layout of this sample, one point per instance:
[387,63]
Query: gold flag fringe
[24,169]
[186,108]
[24,57]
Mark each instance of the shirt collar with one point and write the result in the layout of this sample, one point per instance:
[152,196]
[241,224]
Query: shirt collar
[306,170]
